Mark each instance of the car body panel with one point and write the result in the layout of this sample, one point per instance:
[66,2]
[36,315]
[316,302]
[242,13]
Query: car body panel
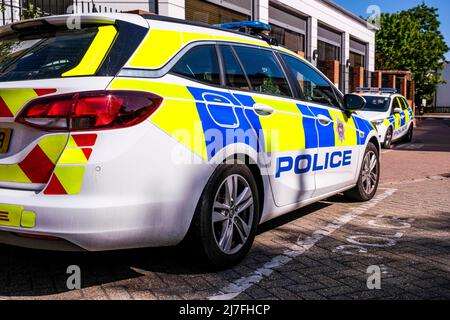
[140,186]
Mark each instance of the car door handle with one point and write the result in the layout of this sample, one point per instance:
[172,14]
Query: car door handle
[263,109]
[323,120]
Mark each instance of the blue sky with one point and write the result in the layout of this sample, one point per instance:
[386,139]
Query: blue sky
[388,6]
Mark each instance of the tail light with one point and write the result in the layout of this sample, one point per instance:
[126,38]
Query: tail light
[96,110]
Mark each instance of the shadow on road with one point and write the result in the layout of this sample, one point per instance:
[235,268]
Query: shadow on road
[29,272]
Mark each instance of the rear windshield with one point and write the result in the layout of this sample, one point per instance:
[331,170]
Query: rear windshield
[30,57]
[379,104]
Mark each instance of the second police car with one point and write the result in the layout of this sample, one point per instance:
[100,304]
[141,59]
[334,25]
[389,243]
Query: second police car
[390,112]
[139,131]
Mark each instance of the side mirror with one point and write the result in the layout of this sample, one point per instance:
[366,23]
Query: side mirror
[354,102]
[397,110]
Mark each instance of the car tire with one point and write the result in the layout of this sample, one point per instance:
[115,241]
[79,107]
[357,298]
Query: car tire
[409,135]
[369,176]
[387,143]
[223,232]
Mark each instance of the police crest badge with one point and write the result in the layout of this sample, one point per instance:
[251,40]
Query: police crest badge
[341,131]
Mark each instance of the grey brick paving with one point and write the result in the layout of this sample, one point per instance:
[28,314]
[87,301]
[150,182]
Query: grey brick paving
[415,266]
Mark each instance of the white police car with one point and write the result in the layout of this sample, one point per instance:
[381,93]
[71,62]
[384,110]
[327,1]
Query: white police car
[140,131]
[389,112]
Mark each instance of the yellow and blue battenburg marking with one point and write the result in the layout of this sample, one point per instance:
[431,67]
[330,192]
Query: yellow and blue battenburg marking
[218,113]
[215,119]
[223,124]
[399,119]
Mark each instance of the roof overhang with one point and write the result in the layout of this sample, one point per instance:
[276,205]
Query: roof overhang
[72,19]
[350,14]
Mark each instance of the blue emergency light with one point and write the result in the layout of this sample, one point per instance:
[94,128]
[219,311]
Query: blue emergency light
[255,26]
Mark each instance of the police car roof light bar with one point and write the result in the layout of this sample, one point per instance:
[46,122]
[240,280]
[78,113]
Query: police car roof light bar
[256,28]
[380,90]
[252,25]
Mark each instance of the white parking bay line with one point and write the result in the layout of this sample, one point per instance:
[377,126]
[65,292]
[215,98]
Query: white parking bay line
[237,287]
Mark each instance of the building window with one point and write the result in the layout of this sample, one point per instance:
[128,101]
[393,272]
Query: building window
[290,39]
[328,52]
[202,11]
[288,28]
[328,60]
[356,62]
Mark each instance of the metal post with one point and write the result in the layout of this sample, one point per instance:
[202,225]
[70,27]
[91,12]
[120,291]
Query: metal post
[3,11]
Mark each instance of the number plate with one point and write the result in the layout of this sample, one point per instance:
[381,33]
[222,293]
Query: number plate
[5,138]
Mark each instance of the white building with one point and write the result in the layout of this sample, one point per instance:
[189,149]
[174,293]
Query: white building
[443,91]
[338,42]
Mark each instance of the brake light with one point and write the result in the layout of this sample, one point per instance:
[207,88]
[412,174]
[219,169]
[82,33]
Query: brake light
[90,110]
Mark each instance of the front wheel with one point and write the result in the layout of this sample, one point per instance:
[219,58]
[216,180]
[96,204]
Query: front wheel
[388,139]
[409,135]
[369,176]
[227,216]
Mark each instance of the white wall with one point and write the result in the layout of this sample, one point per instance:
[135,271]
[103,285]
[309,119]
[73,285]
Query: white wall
[318,10]
[172,8]
[443,91]
[335,19]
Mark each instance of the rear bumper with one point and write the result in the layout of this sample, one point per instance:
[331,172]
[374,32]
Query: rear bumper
[96,227]
[133,195]
[13,239]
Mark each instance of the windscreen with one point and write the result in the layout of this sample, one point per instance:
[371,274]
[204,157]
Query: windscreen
[378,104]
[43,55]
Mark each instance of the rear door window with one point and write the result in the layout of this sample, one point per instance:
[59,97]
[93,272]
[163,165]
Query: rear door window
[264,71]
[234,75]
[43,56]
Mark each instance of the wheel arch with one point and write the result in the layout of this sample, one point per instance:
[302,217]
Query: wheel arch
[376,142]
[252,164]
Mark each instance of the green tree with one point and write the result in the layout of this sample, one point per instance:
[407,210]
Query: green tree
[31,12]
[411,40]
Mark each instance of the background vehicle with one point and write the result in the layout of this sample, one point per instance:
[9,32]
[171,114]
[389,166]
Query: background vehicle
[390,113]
[134,130]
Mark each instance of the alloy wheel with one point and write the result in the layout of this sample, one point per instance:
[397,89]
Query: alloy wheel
[232,214]
[388,139]
[369,172]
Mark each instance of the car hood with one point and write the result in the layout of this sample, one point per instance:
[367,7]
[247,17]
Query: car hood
[371,115]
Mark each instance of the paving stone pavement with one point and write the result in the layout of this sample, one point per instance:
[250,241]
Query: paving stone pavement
[406,236]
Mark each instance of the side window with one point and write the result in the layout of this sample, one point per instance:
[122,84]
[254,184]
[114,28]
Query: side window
[405,103]
[315,88]
[234,75]
[395,104]
[200,63]
[263,71]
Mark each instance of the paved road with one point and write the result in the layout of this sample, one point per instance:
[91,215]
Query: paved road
[320,252]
